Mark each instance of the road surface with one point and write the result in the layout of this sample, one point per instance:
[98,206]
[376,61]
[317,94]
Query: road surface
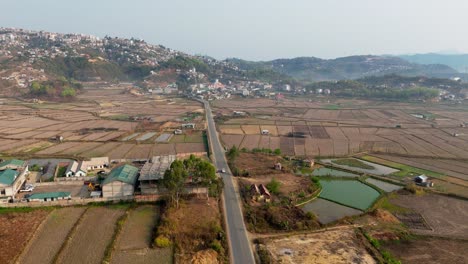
[240,247]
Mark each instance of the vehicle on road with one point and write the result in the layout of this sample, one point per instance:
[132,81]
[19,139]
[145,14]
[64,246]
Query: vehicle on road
[27,188]
[222,170]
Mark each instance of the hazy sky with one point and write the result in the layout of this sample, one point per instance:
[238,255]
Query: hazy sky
[258,29]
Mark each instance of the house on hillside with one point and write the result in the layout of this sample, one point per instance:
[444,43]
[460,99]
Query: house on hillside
[120,182]
[74,170]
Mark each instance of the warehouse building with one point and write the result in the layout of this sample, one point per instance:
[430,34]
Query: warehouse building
[153,172]
[120,182]
[13,174]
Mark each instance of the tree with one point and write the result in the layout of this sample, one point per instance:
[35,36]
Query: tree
[174,180]
[277,152]
[233,153]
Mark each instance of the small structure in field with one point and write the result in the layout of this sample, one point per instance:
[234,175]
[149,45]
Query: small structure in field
[265,132]
[423,180]
[278,166]
[120,182]
[309,163]
[260,193]
[188,126]
[50,196]
[178,132]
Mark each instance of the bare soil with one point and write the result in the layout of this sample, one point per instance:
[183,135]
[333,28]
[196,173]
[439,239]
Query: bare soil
[91,237]
[429,250]
[48,240]
[341,246]
[16,229]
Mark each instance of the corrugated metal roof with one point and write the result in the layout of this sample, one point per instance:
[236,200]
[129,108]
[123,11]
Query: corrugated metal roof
[49,195]
[125,173]
[8,176]
[14,162]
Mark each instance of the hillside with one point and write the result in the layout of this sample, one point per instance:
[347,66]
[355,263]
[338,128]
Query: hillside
[309,69]
[456,61]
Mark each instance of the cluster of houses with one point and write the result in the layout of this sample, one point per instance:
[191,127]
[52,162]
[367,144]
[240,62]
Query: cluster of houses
[81,168]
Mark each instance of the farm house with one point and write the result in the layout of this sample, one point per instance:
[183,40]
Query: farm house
[120,182]
[12,176]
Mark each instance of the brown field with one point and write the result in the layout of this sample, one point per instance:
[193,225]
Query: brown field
[134,242]
[429,250]
[341,246]
[91,237]
[250,141]
[251,129]
[446,216]
[16,229]
[232,140]
[141,151]
[231,129]
[48,240]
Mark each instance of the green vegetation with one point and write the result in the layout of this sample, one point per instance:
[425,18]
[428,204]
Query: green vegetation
[387,256]
[61,171]
[59,88]
[35,167]
[117,231]
[185,63]
[405,170]
[201,171]
[353,163]
[384,203]
[162,242]
[274,186]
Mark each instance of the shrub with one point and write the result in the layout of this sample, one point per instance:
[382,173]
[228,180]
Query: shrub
[273,186]
[163,242]
[216,245]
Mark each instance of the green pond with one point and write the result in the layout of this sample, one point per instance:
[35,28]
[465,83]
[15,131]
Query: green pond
[332,172]
[349,192]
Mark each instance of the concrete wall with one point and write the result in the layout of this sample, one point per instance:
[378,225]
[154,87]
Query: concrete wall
[117,189]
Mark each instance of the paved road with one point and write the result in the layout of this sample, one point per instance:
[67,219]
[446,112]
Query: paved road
[240,247]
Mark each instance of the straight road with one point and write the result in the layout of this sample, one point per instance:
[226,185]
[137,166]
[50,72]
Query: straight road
[240,247]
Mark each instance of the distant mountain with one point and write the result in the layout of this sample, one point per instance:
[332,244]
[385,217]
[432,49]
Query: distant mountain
[309,69]
[456,61]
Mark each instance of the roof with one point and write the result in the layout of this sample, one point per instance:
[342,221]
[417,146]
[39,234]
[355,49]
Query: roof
[73,166]
[155,170]
[49,195]
[422,177]
[126,173]
[7,177]
[14,162]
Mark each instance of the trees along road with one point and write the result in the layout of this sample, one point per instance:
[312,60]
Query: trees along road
[240,246]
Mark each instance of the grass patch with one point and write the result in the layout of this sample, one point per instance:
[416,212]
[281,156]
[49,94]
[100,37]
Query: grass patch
[384,203]
[118,229]
[353,163]
[405,170]
[8,210]
[332,107]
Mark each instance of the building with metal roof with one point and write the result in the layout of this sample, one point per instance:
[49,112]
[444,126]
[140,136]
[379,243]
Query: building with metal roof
[13,164]
[120,182]
[153,172]
[49,196]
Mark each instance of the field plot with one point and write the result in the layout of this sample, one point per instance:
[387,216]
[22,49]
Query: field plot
[164,138]
[120,151]
[91,237]
[251,129]
[134,243]
[232,140]
[385,186]
[445,215]
[164,149]
[340,246]
[231,129]
[429,250]
[331,172]
[130,137]
[146,136]
[250,141]
[49,239]
[141,151]
[190,147]
[15,231]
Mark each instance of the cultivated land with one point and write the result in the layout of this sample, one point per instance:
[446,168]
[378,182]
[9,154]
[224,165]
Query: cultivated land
[309,128]
[91,237]
[16,229]
[100,122]
[135,240]
[49,238]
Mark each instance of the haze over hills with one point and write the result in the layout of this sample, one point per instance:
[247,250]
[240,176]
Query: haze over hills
[456,61]
[308,69]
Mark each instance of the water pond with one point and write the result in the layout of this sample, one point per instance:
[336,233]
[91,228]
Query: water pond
[377,168]
[328,212]
[387,187]
[351,193]
[332,172]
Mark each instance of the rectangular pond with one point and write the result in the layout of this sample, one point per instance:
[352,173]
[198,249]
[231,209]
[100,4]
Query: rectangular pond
[376,168]
[146,136]
[332,172]
[350,193]
[328,212]
[387,187]
[132,136]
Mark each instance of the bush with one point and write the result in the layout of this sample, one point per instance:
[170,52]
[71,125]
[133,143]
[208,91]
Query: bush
[273,186]
[162,242]
[216,245]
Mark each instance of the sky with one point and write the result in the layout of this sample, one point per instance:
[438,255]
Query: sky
[258,29]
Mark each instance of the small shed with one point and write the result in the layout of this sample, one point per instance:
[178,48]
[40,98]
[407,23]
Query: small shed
[265,132]
[278,166]
[120,182]
[50,196]
[421,179]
